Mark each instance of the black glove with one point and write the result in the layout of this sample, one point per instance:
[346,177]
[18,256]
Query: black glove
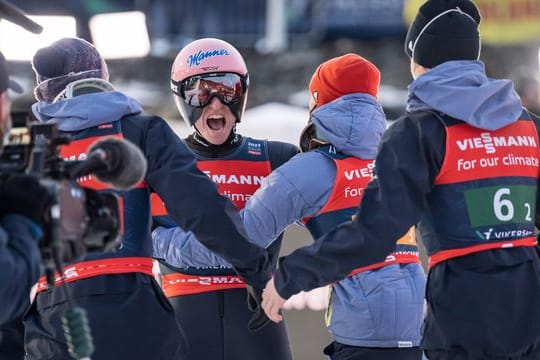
[254,300]
[23,194]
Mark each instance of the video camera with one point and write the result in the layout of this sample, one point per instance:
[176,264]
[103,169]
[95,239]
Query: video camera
[81,220]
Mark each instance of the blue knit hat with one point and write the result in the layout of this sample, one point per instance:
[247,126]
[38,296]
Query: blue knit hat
[64,61]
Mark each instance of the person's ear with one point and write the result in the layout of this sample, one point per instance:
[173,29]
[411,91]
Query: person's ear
[417,69]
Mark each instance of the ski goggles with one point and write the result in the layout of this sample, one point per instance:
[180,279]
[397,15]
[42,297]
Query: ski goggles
[82,87]
[198,91]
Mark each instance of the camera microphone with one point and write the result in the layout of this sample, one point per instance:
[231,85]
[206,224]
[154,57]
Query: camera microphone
[114,161]
[13,14]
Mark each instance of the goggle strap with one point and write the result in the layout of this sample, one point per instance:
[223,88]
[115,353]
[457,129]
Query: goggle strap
[176,87]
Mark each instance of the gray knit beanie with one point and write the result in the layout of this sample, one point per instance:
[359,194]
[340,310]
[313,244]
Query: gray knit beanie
[64,61]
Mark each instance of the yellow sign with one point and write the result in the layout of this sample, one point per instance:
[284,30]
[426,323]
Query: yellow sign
[504,22]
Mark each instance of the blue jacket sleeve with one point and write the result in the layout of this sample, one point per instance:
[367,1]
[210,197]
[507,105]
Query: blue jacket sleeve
[288,195]
[19,264]
[192,200]
[409,159]
[181,249]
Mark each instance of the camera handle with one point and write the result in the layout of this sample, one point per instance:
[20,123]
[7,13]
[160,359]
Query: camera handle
[74,321]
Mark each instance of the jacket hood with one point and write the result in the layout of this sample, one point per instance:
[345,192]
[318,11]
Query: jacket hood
[353,124]
[85,111]
[462,90]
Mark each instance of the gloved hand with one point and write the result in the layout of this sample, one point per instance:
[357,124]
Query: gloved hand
[254,300]
[23,194]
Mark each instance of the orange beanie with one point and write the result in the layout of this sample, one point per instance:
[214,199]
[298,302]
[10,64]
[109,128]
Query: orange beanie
[344,75]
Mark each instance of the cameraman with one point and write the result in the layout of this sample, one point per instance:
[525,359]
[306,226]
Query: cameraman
[129,316]
[22,204]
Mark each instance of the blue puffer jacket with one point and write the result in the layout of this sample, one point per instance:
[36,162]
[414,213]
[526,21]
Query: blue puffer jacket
[382,308]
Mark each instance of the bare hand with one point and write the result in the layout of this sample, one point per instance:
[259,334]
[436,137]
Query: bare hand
[272,302]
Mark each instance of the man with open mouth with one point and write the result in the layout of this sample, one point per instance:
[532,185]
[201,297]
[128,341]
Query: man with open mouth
[209,79]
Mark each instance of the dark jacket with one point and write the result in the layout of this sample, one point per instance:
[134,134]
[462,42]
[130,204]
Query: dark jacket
[172,173]
[409,159]
[19,264]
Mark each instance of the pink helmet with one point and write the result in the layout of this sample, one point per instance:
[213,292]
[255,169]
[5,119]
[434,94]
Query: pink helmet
[213,62]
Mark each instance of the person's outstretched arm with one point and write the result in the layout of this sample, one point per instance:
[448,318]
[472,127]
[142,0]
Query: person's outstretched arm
[181,248]
[284,197]
[410,156]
